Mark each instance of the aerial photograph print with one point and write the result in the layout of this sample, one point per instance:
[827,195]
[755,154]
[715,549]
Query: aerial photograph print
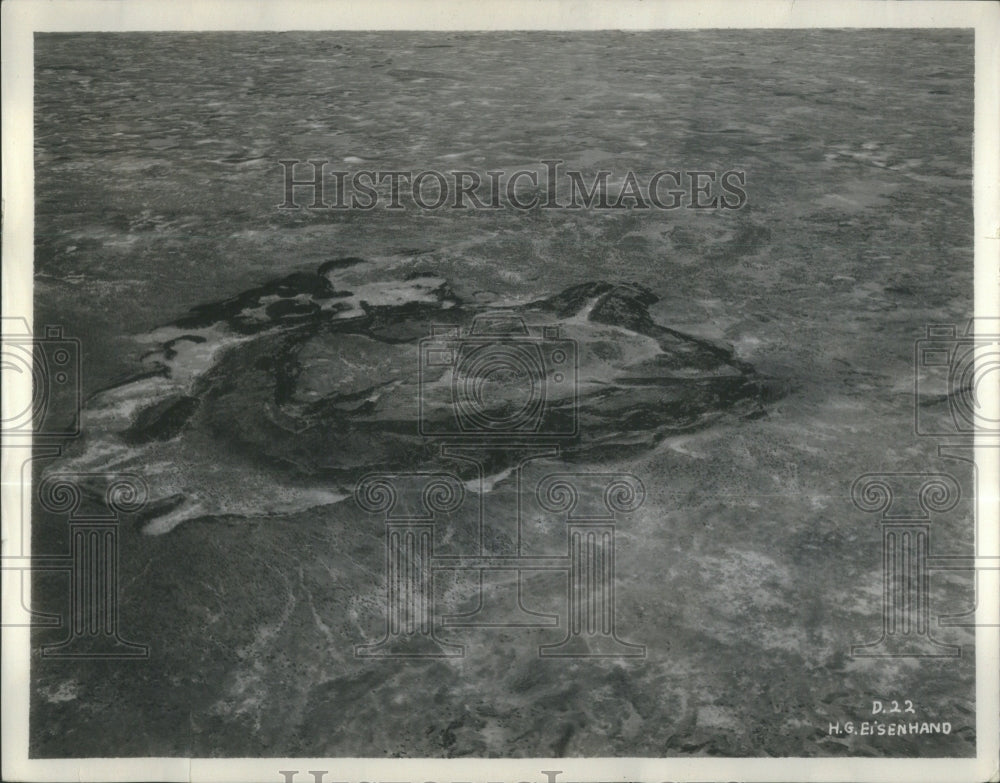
[502,394]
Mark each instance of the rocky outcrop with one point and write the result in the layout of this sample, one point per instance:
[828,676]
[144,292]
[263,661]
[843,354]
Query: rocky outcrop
[306,382]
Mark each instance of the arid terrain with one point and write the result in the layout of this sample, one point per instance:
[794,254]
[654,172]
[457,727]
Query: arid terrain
[745,365]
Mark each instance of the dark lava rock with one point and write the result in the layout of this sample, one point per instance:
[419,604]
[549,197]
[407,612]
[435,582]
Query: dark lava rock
[371,390]
[335,264]
[162,420]
[287,383]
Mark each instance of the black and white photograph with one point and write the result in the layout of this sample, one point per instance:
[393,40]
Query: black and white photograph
[607,399]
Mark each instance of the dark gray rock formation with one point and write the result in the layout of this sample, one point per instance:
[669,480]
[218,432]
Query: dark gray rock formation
[309,386]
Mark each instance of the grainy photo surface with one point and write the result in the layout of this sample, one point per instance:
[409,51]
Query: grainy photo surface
[503,394]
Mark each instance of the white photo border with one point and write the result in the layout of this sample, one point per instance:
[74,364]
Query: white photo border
[22,18]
